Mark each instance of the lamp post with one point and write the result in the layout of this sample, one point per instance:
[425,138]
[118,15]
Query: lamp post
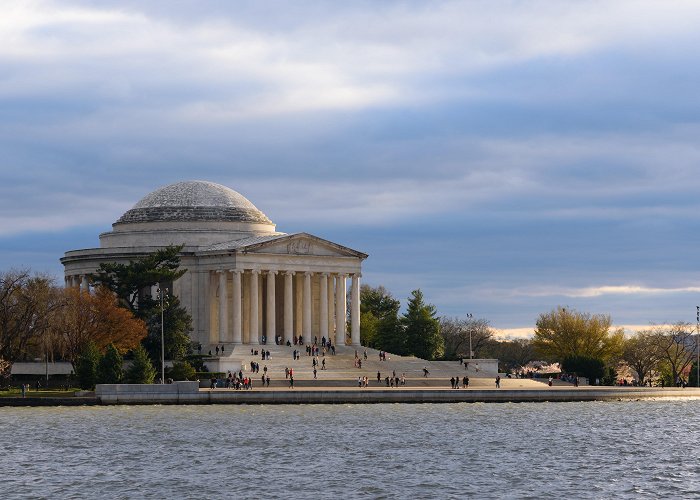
[161,292]
[697,345]
[471,352]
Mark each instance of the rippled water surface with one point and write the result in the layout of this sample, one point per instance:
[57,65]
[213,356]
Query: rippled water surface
[566,450]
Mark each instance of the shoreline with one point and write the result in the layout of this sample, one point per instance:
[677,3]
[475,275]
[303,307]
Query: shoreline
[172,395]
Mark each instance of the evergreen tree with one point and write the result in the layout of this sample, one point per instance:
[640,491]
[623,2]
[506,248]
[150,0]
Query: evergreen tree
[141,370]
[86,366]
[389,336]
[132,283]
[178,324]
[109,369]
[422,328]
[181,370]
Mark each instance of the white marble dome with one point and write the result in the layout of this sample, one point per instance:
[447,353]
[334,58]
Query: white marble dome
[193,201]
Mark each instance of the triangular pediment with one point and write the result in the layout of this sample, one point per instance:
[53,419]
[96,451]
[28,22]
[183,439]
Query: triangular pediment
[302,244]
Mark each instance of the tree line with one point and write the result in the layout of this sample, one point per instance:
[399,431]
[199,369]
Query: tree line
[581,343]
[93,330]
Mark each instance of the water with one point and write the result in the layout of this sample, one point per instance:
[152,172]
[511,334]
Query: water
[645,449]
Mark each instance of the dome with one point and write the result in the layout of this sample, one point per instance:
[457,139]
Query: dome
[194,201]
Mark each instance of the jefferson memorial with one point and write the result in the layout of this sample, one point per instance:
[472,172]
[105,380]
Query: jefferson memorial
[246,283]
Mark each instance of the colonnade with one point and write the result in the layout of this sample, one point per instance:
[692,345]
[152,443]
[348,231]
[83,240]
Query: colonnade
[78,281]
[319,296]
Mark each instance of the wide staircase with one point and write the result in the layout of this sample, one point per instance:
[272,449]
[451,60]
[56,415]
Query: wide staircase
[341,371]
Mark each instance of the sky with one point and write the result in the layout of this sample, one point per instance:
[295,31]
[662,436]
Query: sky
[505,157]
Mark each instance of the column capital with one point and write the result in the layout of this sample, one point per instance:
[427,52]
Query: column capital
[308,273]
[290,273]
[219,271]
[356,275]
[272,271]
[255,271]
[236,271]
[325,273]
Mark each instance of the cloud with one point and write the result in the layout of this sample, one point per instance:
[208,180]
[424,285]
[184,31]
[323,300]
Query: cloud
[598,291]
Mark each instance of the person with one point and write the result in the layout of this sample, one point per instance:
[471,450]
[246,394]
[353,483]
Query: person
[498,381]
[359,381]
[575,380]
[24,390]
[379,377]
[286,372]
[217,350]
[465,380]
[267,379]
[365,354]
[314,372]
[222,350]
[291,382]
[265,369]
[199,348]
[425,371]
[323,364]
[550,381]
[213,383]
[452,382]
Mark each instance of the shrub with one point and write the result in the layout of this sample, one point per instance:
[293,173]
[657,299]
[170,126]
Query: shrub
[182,370]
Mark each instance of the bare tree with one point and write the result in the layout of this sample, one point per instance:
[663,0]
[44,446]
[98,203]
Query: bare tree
[26,303]
[641,353]
[456,332]
[677,347]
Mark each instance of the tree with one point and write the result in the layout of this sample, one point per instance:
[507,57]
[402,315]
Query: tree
[456,333]
[85,366]
[182,370]
[584,366]
[512,355]
[97,318]
[141,370]
[422,328]
[677,348]
[641,353]
[132,283]
[26,304]
[563,333]
[128,281]
[376,304]
[390,336]
[177,325]
[109,369]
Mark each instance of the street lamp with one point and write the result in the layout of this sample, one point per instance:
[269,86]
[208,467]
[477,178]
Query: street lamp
[471,352]
[161,292]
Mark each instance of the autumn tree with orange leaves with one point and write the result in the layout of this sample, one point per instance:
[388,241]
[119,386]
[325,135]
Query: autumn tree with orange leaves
[95,317]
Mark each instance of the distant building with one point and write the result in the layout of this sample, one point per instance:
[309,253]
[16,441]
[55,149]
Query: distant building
[245,282]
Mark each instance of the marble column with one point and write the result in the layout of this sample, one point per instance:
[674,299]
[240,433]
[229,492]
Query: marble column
[237,317]
[340,298]
[223,307]
[270,323]
[331,307]
[84,284]
[323,306]
[306,314]
[288,307]
[254,330]
[355,310]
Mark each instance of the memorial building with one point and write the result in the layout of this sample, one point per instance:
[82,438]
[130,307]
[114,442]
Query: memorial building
[246,283]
